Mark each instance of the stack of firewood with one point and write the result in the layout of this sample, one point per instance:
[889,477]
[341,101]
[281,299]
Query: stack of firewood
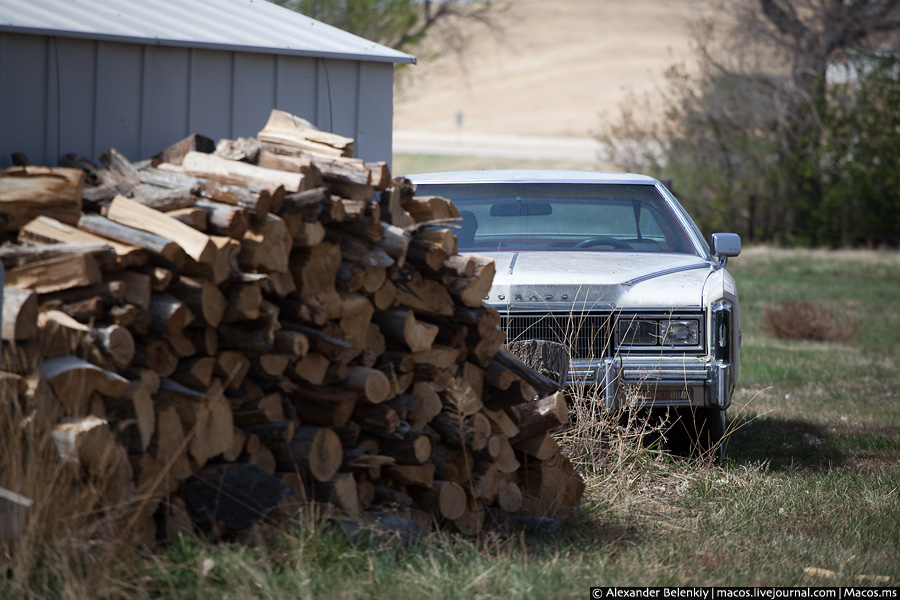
[227,329]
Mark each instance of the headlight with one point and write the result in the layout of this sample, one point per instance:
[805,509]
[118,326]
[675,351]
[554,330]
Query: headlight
[638,333]
[657,330]
[680,333]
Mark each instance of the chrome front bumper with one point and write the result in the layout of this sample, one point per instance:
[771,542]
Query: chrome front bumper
[658,381]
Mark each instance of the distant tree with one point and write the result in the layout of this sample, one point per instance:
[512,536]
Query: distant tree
[750,139]
[861,164]
[399,24]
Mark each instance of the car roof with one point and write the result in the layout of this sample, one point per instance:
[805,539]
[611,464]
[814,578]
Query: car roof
[530,176]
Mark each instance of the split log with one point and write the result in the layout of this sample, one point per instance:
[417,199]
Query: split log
[155,354]
[541,446]
[402,326]
[243,302]
[192,216]
[242,149]
[135,405]
[509,496]
[315,272]
[432,209]
[60,334]
[44,230]
[202,298]
[292,164]
[275,435]
[322,405]
[414,448]
[120,165]
[169,315]
[543,384]
[116,342]
[75,380]
[18,255]
[224,219]
[138,286]
[446,499]
[311,368]
[340,491]
[223,268]
[471,291]
[168,445]
[554,484]
[290,130]
[460,433]
[461,398]
[500,422]
[195,372]
[29,192]
[89,442]
[487,483]
[166,249]
[411,475]
[246,175]
[371,384]
[425,297]
[518,392]
[313,450]
[546,414]
[55,274]
[20,311]
[195,244]
[162,199]
[550,359]
[380,419]
[175,153]
[233,367]
[257,453]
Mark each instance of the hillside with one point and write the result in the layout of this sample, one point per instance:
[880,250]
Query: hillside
[553,71]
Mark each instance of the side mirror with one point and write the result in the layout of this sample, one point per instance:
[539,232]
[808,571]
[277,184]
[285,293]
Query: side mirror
[725,244]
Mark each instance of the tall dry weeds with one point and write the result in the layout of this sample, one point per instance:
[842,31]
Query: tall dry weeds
[71,540]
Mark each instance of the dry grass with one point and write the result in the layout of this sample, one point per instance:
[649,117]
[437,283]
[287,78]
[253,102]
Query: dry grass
[72,541]
[802,320]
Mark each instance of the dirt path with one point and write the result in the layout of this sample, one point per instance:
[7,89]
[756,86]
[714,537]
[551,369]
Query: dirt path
[559,65]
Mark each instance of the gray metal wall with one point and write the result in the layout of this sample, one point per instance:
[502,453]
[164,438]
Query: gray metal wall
[60,95]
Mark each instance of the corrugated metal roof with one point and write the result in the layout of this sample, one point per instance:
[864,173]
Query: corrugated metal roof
[234,25]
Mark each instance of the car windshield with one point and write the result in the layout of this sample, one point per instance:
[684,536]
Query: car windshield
[553,216]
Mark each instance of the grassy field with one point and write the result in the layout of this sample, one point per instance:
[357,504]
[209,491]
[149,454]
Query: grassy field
[807,493]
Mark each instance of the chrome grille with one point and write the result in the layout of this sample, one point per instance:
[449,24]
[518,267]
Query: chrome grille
[587,336]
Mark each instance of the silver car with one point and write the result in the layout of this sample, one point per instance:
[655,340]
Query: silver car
[612,266]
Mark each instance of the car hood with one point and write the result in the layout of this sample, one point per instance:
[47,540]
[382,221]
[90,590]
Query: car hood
[598,280]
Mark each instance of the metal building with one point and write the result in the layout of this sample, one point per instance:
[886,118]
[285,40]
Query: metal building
[138,75]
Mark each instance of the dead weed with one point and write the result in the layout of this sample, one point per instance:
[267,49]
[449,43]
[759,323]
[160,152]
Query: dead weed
[807,321]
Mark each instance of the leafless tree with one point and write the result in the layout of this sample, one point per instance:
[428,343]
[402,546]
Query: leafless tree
[750,119]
